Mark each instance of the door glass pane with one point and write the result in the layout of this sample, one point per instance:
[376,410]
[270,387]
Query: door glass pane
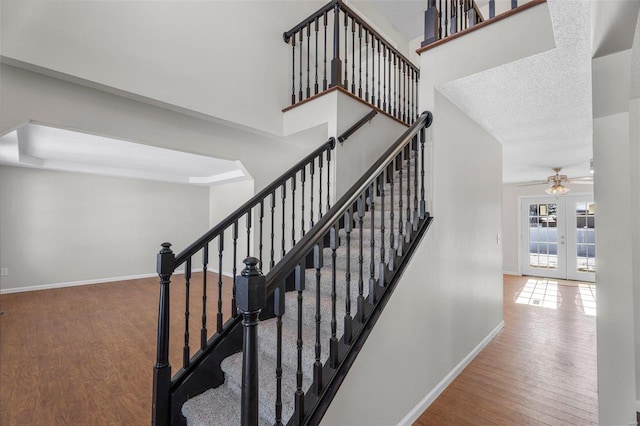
[585,237]
[543,236]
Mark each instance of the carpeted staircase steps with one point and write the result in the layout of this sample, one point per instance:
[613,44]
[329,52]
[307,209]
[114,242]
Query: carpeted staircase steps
[221,406]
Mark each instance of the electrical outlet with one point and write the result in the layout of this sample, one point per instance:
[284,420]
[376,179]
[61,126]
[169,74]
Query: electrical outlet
[4,271]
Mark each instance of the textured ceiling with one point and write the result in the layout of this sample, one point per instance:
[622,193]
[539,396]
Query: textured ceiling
[539,107]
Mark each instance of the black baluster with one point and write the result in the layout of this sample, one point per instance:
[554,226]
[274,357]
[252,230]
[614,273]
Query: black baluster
[492,8]
[353,56]
[279,311]
[317,365]
[366,65]
[440,19]
[454,21]
[248,225]
[273,225]
[252,297]
[315,86]
[261,216]
[293,210]
[324,78]
[384,77]
[348,326]
[320,186]
[372,245]
[360,61]
[414,147]
[466,14]
[329,177]
[336,63]
[293,69]
[283,196]
[203,330]
[417,72]
[408,165]
[399,166]
[395,86]
[379,75]
[423,208]
[390,83]
[186,351]
[373,70]
[303,174]
[446,18]
[404,91]
[234,309]
[392,251]
[360,301]
[300,56]
[333,342]
[161,412]
[382,267]
[219,313]
[514,4]
[346,53]
[312,169]
[308,58]
[299,395]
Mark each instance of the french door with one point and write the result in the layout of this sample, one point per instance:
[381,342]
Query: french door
[557,235]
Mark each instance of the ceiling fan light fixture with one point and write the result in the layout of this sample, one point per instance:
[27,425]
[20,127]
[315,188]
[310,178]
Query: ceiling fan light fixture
[557,189]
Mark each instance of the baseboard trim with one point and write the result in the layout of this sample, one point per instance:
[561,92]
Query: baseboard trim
[436,391]
[95,281]
[517,274]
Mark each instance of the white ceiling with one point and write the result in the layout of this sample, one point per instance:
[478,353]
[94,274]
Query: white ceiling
[38,146]
[539,108]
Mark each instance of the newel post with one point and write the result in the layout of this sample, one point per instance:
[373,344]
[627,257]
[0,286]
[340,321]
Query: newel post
[251,297]
[431,23]
[161,405]
[336,62]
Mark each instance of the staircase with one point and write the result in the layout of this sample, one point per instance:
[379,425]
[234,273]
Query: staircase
[221,406]
[317,303]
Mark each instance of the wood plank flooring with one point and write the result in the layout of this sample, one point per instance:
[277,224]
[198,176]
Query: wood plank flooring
[540,369]
[84,356]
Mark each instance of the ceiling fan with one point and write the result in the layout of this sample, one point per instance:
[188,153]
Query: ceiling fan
[557,181]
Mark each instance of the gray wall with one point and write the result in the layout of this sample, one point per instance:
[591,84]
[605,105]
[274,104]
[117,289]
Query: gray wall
[450,297]
[58,227]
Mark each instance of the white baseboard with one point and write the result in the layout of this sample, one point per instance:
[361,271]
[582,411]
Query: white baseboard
[96,281]
[435,392]
[517,274]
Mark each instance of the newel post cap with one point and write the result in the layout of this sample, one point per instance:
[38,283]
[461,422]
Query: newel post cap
[166,260]
[251,289]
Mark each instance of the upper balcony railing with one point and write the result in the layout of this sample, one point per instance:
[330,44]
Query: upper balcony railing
[445,19]
[335,48]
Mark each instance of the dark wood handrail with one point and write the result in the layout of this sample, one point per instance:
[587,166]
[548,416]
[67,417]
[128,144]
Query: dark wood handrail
[254,201]
[364,120]
[288,263]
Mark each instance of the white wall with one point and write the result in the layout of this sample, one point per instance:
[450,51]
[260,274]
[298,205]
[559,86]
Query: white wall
[510,212]
[450,296]
[225,59]
[615,320]
[60,227]
[634,157]
[28,96]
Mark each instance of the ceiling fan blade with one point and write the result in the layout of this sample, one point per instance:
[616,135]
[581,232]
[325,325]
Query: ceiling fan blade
[581,182]
[542,182]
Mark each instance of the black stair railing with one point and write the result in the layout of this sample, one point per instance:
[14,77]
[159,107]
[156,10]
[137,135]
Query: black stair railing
[334,47]
[446,18]
[403,161]
[267,227]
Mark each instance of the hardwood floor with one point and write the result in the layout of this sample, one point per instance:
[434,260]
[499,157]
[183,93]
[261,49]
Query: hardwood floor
[84,356]
[540,369]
